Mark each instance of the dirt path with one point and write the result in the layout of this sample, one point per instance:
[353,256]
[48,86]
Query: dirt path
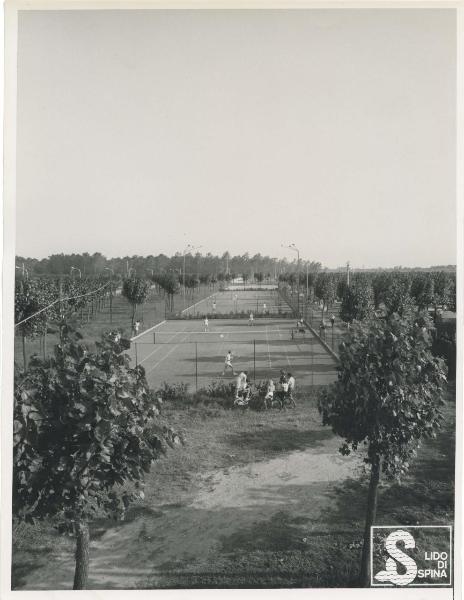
[262,505]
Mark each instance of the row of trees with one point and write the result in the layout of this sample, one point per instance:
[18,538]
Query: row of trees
[43,302]
[195,264]
[369,291]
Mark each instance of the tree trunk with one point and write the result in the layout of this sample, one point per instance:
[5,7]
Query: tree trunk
[82,556]
[365,575]
[24,352]
[134,308]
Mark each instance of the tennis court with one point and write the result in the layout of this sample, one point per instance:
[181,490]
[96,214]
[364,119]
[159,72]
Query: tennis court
[178,351]
[265,301]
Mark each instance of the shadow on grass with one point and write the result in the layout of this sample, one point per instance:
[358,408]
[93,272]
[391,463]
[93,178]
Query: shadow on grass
[21,569]
[280,440]
[424,497]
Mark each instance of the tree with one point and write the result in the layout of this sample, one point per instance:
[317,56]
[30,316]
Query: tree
[388,396]
[29,300]
[357,303]
[135,290]
[325,290]
[422,290]
[452,294]
[380,284]
[85,425]
[397,297]
[341,288]
[311,279]
[442,285]
[170,284]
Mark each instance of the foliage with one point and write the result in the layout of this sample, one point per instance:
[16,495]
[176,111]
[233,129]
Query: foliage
[357,302]
[325,289]
[389,390]
[422,290]
[341,288]
[174,391]
[442,287]
[397,297]
[29,299]
[135,290]
[84,424]
[380,285]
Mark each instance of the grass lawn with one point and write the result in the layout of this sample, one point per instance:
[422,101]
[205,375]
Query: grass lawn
[253,499]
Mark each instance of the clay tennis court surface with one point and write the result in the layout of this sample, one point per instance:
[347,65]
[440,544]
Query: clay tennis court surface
[178,351]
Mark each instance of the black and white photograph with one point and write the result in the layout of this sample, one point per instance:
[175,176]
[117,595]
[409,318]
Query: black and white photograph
[232,283]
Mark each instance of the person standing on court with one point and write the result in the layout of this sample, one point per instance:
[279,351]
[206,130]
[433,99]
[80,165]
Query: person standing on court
[206,324]
[250,319]
[228,363]
[136,328]
[291,387]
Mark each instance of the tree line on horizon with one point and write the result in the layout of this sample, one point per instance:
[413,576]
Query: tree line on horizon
[195,264]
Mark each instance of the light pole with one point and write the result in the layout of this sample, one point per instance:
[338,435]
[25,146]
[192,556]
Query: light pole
[348,273]
[24,271]
[76,269]
[295,249]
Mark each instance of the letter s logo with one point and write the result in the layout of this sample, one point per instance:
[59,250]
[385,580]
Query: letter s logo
[391,574]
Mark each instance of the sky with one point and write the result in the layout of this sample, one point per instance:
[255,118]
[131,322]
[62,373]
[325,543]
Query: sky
[142,131]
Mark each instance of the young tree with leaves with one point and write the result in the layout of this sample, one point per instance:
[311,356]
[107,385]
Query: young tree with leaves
[397,297]
[388,396]
[85,427]
[135,290]
[442,284]
[29,300]
[380,285]
[325,290]
[357,303]
[171,285]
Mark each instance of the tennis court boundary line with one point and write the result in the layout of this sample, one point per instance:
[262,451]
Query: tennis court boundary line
[199,301]
[147,330]
[221,332]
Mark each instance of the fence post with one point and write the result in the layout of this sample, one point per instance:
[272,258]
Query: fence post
[111,301]
[312,361]
[254,361]
[196,366]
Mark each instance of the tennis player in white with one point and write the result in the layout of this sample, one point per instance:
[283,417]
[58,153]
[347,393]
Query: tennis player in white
[228,363]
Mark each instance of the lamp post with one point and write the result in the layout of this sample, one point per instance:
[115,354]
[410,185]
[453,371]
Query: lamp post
[295,249]
[76,269]
[24,271]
